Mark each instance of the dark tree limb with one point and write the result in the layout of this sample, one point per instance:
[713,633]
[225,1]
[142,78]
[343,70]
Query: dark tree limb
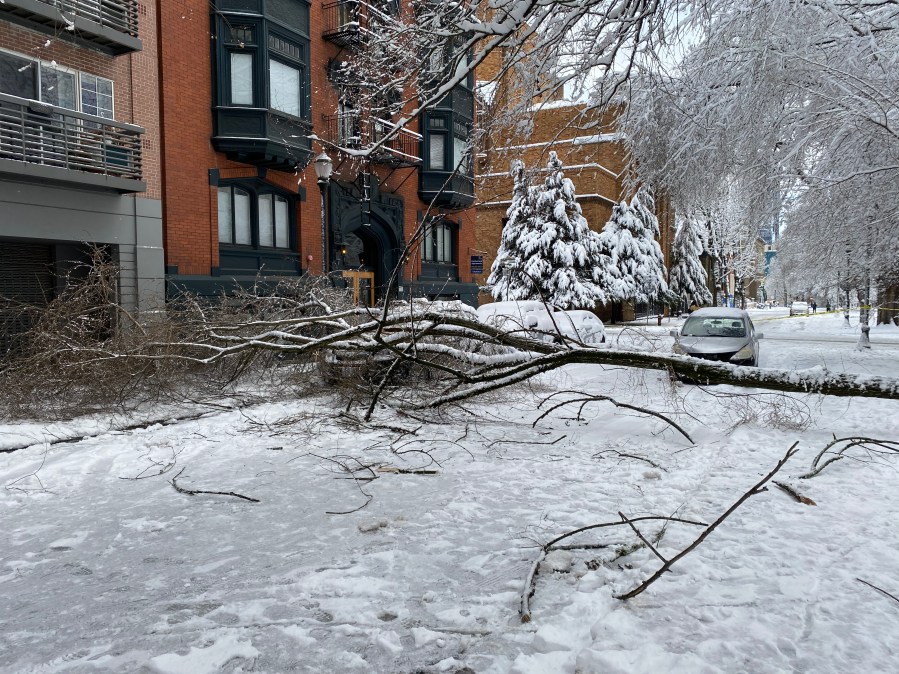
[714,525]
[642,537]
[600,398]
[881,590]
[194,492]
[872,445]
[529,587]
[602,525]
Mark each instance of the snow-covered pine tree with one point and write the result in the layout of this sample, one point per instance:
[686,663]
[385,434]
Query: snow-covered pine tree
[687,278]
[631,257]
[651,272]
[547,251]
[507,281]
[561,252]
[620,253]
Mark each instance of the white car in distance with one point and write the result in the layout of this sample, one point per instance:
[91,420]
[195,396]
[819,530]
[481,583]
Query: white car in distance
[799,308]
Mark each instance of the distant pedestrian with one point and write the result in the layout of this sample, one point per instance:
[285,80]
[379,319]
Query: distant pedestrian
[814,306]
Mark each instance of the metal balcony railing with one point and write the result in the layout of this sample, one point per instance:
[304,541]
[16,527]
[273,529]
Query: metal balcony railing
[353,130]
[345,21]
[120,15]
[37,133]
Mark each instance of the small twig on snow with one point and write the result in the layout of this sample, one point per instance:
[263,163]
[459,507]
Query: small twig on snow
[872,445]
[584,399]
[642,537]
[194,492]
[529,587]
[792,492]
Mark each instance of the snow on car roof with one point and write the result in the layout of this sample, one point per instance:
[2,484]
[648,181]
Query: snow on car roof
[720,312]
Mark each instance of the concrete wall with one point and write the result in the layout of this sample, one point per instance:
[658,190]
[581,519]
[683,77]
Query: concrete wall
[44,214]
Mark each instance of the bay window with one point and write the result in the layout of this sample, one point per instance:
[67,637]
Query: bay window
[264,64]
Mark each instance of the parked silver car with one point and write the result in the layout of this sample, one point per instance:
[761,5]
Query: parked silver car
[720,334]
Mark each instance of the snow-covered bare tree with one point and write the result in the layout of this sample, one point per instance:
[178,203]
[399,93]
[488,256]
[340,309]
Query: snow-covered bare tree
[548,250]
[687,277]
[790,102]
[426,49]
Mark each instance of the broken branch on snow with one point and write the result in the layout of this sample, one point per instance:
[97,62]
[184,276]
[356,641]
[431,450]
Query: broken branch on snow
[757,488]
[194,492]
[873,447]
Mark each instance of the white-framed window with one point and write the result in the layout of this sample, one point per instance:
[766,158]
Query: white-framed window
[248,218]
[437,245]
[50,83]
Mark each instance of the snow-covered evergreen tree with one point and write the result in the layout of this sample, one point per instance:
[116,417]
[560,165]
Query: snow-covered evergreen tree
[630,255]
[562,257]
[547,251]
[651,273]
[507,281]
[687,278]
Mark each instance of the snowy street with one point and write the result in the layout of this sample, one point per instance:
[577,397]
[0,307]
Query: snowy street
[107,568]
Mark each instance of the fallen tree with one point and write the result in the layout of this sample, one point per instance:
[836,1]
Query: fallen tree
[461,357]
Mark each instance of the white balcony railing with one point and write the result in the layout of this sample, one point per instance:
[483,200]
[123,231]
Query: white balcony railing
[120,15]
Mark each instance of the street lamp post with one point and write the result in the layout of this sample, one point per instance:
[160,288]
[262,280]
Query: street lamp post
[323,168]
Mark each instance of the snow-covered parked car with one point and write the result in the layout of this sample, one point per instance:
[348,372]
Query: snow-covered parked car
[575,324]
[511,316]
[538,320]
[449,307]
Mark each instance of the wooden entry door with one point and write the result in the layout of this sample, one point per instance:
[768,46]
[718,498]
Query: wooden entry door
[363,284]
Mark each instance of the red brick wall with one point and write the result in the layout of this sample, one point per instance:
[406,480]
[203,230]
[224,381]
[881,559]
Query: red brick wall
[191,230]
[186,101]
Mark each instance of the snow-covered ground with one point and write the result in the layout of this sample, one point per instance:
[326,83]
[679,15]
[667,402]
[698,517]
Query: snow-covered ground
[100,571]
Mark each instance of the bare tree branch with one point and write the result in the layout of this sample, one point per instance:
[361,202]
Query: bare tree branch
[714,525]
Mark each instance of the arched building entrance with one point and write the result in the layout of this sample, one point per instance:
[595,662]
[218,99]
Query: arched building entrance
[366,238]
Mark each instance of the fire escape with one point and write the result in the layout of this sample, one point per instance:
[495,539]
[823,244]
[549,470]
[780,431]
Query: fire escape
[360,134]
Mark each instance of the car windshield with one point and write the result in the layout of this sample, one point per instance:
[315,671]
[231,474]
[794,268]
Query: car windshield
[705,326]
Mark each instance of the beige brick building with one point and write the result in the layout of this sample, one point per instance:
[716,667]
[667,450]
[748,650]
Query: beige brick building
[593,157]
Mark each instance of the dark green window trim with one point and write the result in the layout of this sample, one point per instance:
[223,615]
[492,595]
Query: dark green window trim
[264,38]
[256,189]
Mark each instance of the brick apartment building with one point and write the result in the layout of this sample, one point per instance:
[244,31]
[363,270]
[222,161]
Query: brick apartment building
[250,96]
[593,157]
[79,151]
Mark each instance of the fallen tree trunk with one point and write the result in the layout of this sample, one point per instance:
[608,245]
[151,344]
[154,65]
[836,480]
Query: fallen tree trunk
[464,358]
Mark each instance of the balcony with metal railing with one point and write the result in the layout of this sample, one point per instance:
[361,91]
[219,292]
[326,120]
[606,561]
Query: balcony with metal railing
[346,21]
[110,25]
[354,131]
[45,143]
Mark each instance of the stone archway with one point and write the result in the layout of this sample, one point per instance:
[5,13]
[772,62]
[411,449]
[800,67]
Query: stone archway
[371,234]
